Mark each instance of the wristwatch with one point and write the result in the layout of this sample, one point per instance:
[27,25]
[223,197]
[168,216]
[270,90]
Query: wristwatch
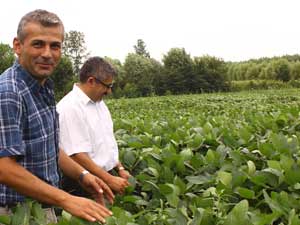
[121,168]
[83,173]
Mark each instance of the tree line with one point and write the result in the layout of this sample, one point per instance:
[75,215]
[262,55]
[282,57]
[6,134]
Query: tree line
[177,73]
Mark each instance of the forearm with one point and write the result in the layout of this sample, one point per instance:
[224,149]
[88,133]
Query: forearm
[17,177]
[85,161]
[69,167]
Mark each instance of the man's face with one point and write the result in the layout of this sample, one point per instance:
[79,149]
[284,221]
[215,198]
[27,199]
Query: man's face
[100,89]
[40,51]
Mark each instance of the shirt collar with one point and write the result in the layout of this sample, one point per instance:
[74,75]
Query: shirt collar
[29,80]
[81,95]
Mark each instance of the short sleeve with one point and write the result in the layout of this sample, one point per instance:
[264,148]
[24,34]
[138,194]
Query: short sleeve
[73,134]
[11,143]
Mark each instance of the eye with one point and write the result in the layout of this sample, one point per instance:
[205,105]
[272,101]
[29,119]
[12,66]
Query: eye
[37,44]
[56,46]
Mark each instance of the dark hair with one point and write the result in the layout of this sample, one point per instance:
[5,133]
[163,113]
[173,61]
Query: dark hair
[43,17]
[97,67]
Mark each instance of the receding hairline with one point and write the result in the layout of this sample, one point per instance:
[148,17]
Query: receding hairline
[41,17]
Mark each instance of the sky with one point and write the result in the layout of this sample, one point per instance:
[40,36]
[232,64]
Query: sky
[234,30]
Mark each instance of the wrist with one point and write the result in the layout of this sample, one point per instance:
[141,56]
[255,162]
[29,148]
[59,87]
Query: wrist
[120,168]
[82,174]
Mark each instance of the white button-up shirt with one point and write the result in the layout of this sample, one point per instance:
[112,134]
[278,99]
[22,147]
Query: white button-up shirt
[86,126]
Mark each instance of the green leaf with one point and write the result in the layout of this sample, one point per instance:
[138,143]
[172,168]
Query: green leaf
[21,214]
[210,157]
[251,167]
[258,218]
[178,216]
[38,213]
[171,192]
[201,179]
[66,215]
[129,158]
[202,217]
[238,215]
[280,143]
[246,193]
[292,176]
[5,219]
[274,205]
[196,142]
[225,178]
[293,218]
[179,183]
[274,164]
[186,154]
[286,162]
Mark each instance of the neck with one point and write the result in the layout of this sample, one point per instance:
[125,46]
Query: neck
[84,87]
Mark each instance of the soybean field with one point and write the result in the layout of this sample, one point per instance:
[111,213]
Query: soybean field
[206,159]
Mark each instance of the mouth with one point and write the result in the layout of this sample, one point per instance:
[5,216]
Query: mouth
[45,65]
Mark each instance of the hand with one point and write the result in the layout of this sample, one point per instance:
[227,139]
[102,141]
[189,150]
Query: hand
[117,184]
[85,209]
[97,188]
[124,174]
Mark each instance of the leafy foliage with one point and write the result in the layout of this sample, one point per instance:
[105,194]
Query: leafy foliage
[208,159]
[6,57]
[140,49]
[74,48]
[63,77]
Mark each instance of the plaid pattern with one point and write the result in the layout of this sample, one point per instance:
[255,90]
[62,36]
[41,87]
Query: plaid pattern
[28,127]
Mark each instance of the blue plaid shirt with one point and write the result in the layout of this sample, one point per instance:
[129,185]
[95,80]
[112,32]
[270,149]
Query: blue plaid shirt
[28,128]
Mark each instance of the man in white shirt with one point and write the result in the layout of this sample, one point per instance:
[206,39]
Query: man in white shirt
[86,127]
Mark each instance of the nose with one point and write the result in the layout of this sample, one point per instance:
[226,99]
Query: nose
[46,52]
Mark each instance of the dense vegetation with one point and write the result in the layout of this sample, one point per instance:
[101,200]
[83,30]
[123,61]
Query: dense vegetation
[178,73]
[209,159]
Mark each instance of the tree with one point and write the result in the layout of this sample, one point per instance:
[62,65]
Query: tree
[210,74]
[295,70]
[253,71]
[63,78]
[75,49]
[138,73]
[140,48]
[119,80]
[282,70]
[6,57]
[178,72]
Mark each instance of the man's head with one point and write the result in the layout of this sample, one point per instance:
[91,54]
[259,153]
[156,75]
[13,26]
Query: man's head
[38,43]
[97,76]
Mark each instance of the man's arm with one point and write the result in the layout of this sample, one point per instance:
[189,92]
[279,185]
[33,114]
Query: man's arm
[17,177]
[73,170]
[117,184]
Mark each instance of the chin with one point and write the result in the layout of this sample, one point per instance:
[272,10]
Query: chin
[45,73]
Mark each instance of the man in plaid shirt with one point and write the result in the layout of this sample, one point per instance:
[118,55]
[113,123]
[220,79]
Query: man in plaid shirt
[29,153]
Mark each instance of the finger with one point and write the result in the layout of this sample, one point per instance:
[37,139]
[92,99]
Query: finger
[90,218]
[108,193]
[98,212]
[126,183]
[122,190]
[103,210]
[97,186]
[99,199]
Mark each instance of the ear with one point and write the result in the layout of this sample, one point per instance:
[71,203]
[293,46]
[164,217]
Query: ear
[90,80]
[17,46]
